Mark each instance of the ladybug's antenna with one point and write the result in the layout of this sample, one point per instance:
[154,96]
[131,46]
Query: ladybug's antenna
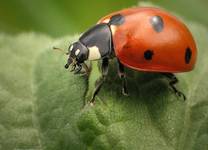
[61,50]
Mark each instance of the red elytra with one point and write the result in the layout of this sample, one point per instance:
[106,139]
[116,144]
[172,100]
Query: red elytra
[152,40]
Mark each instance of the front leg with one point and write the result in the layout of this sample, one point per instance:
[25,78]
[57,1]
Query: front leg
[100,81]
[122,75]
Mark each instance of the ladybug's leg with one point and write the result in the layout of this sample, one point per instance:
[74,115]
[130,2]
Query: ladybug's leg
[78,69]
[87,69]
[173,81]
[100,81]
[122,75]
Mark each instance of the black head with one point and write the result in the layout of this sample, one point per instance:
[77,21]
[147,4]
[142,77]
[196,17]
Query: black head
[94,44]
[78,53]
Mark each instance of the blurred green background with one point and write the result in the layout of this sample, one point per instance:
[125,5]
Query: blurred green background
[64,17]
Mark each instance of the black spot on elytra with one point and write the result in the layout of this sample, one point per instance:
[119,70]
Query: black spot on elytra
[157,23]
[188,55]
[117,20]
[148,54]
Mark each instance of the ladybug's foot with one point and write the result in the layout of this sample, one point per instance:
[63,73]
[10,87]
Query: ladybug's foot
[180,94]
[173,81]
[92,102]
[125,92]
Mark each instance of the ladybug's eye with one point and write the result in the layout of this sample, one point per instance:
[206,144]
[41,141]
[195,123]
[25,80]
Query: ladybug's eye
[77,52]
[71,47]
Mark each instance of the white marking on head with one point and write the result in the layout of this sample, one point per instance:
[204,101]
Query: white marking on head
[71,47]
[77,52]
[94,53]
[113,29]
[106,20]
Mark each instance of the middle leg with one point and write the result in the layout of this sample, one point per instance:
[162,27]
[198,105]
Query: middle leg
[122,75]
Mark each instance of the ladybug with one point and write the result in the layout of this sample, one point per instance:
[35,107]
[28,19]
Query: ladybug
[141,38]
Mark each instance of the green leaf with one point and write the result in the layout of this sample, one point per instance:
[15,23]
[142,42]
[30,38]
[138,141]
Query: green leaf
[18,123]
[42,104]
[60,95]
